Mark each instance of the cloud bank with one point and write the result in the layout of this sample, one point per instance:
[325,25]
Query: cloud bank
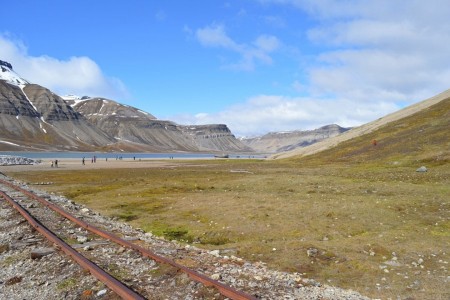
[76,75]
[264,113]
[376,57]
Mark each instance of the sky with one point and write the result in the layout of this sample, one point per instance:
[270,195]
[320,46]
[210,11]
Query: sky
[258,66]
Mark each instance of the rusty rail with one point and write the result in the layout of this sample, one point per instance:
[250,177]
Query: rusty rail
[114,284]
[225,290]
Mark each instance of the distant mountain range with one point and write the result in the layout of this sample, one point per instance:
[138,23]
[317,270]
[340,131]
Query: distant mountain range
[33,118]
[275,142]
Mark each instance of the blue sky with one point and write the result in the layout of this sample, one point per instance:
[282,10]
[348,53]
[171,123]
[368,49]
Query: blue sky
[255,65]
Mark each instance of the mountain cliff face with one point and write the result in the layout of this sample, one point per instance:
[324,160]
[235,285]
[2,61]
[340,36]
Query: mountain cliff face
[130,125]
[34,118]
[275,142]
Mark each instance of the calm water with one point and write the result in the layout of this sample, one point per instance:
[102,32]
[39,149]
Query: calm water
[99,155]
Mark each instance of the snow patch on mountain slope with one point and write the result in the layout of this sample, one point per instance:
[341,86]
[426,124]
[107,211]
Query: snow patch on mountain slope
[7,74]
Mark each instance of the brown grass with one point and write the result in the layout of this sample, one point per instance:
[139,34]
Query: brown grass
[357,217]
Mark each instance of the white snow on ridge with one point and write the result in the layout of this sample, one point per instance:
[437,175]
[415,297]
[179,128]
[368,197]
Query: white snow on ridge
[31,103]
[11,77]
[71,97]
[144,112]
[9,143]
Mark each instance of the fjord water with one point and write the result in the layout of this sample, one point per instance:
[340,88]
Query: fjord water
[128,155]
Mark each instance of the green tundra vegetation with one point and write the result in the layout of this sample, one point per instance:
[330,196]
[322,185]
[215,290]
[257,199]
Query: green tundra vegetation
[356,216]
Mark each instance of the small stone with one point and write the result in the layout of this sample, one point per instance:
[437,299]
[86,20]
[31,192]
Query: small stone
[85,210]
[101,292]
[215,276]
[13,280]
[312,252]
[41,252]
[422,169]
[215,253]
[4,248]
[82,239]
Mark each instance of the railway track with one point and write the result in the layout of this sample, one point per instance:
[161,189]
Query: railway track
[61,227]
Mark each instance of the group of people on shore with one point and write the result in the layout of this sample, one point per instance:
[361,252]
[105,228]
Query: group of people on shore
[93,160]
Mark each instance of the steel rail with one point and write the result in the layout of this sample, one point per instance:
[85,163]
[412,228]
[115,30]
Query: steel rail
[225,290]
[114,284]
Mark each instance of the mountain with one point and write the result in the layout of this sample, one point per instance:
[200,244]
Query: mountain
[275,142]
[420,132]
[32,118]
[133,126]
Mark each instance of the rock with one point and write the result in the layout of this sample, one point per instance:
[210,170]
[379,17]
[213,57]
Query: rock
[312,252]
[393,263]
[216,253]
[90,244]
[85,210]
[215,276]
[121,250]
[422,169]
[101,292]
[4,248]
[229,251]
[7,160]
[13,280]
[41,252]
[82,239]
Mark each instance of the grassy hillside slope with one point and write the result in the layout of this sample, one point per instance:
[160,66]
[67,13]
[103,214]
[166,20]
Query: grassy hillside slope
[422,138]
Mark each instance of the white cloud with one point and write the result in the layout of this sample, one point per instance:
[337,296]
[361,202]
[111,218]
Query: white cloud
[264,113]
[378,57]
[388,50]
[250,54]
[76,75]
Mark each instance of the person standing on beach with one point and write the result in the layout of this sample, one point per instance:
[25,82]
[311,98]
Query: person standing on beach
[82,161]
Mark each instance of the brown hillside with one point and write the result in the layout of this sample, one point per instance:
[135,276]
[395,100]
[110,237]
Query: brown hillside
[421,137]
[392,122]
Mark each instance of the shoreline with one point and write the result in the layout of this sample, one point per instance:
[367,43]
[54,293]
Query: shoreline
[76,164]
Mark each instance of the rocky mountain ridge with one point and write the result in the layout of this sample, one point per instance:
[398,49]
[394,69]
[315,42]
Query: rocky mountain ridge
[276,142]
[33,118]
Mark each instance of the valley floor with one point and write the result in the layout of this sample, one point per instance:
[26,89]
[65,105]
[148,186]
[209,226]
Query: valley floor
[382,230]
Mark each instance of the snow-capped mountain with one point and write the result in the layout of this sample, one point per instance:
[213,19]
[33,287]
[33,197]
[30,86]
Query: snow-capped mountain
[36,119]
[7,73]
